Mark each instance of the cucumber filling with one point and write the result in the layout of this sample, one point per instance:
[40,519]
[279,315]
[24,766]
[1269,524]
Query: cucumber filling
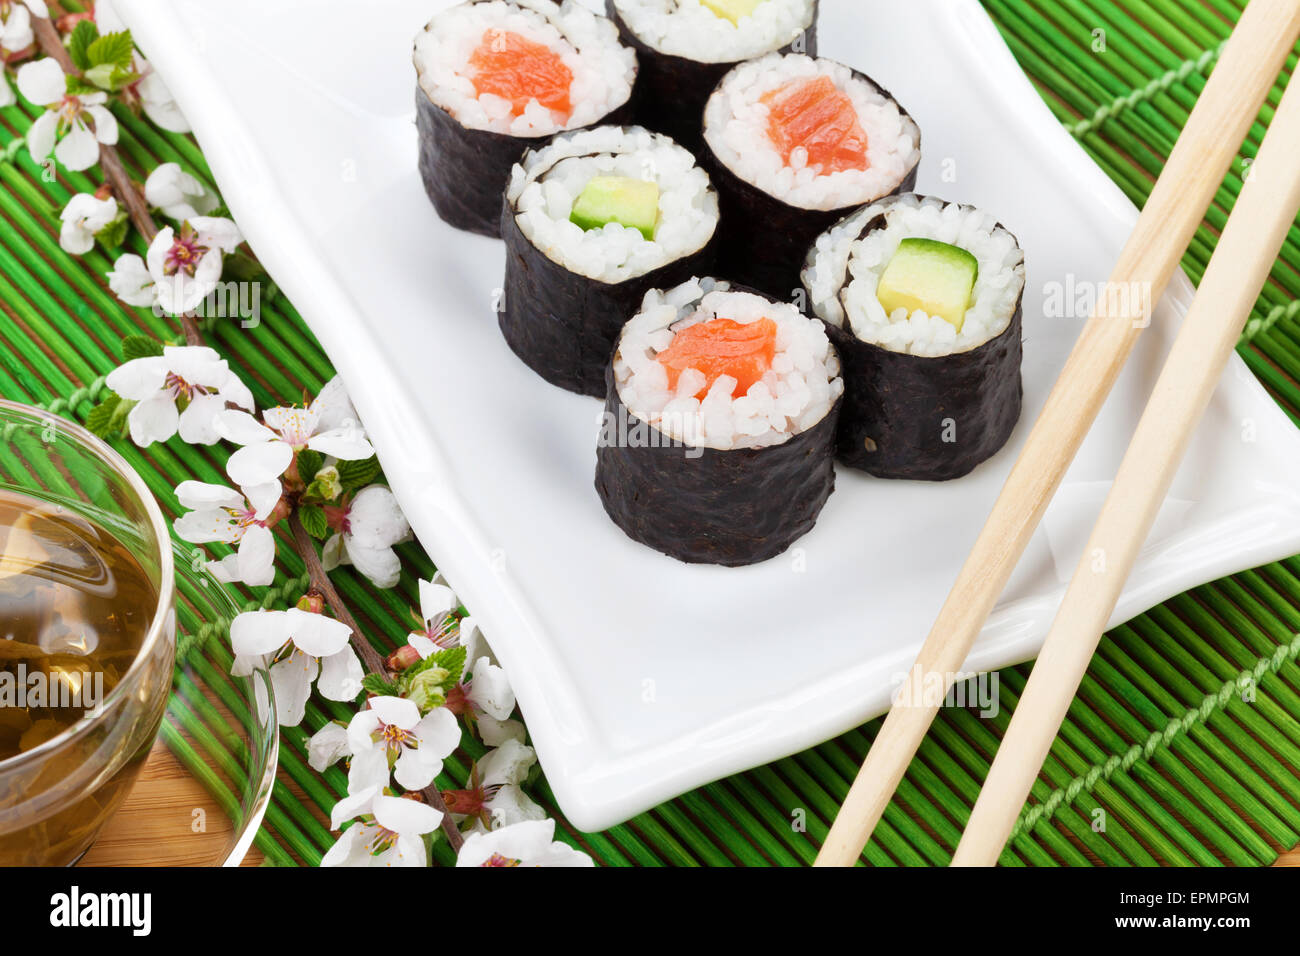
[929,276]
[629,202]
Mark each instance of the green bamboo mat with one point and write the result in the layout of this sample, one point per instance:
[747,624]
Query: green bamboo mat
[1185,736]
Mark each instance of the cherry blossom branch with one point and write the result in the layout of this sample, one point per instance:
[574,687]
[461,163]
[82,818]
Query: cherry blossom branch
[137,207]
[50,42]
[374,662]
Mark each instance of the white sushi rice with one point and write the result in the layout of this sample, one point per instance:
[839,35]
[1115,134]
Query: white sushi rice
[736,129]
[844,269]
[795,394]
[603,69]
[544,186]
[687,28]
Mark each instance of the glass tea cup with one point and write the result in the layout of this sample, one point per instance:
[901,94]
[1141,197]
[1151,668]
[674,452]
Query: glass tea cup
[57,794]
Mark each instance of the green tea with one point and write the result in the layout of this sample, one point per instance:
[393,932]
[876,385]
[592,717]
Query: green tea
[75,607]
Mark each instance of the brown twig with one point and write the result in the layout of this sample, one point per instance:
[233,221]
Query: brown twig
[373,661]
[320,581]
[47,37]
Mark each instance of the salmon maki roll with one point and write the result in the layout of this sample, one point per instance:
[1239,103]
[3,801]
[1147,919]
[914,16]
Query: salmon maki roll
[686,46]
[793,143]
[495,77]
[717,442]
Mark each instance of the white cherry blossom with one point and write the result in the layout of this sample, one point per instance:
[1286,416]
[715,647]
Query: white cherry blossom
[16,32]
[328,425]
[232,517]
[367,527]
[530,843]
[194,375]
[304,645]
[186,265]
[391,732]
[72,126]
[493,796]
[83,216]
[390,831]
[177,194]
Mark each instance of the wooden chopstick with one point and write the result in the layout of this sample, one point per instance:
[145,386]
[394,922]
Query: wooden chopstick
[1251,61]
[1237,272]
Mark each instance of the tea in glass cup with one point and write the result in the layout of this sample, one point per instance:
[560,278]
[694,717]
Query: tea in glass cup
[87,634]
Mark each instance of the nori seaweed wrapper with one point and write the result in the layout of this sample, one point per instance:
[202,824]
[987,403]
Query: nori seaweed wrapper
[709,506]
[765,240]
[564,325]
[671,91]
[927,418]
[465,170]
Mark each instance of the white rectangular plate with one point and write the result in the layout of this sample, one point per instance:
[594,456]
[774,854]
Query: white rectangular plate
[639,677]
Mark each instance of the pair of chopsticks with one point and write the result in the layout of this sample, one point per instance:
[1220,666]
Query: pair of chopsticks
[1224,112]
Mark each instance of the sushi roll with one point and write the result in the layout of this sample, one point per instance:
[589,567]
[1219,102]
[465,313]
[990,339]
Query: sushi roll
[922,299]
[793,143]
[591,222]
[717,441]
[686,46]
[494,77]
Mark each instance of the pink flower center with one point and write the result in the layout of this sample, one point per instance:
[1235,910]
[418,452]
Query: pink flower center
[244,519]
[383,839]
[69,109]
[184,255]
[496,859]
[181,388]
[395,738]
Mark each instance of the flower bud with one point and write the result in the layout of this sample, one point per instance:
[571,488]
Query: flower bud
[426,690]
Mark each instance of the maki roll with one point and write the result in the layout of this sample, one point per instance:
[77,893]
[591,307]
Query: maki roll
[685,47]
[591,222]
[793,143]
[497,76]
[923,302]
[717,442]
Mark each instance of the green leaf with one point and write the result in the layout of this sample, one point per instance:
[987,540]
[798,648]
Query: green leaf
[114,234]
[451,659]
[358,474]
[309,462]
[140,346]
[112,49]
[313,519]
[79,42]
[99,421]
[375,684]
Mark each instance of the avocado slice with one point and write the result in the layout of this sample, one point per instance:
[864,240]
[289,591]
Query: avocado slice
[629,202]
[932,276]
[731,10]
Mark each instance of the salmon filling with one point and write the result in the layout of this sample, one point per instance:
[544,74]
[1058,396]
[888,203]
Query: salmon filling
[722,347]
[519,70]
[818,117]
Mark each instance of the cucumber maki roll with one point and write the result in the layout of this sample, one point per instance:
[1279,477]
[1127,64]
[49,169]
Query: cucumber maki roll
[793,143]
[497,76]
[591,222]
[686,46]
[717,442]
[922,299]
